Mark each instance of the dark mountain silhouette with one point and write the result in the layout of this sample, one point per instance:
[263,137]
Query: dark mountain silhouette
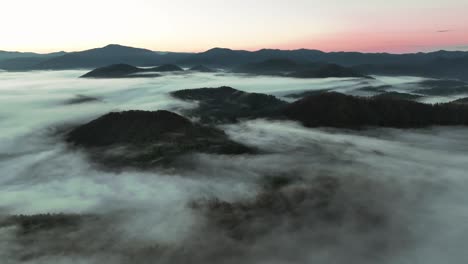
[113,71]
[397,96]
[8,55]
[442,83]
[328,71]
[166,68]
[201,68]
[21,64]
[306,93]
[440,64]
[438,67]
[344,111]
[442,87]
[270,67]
[461,101]
[322,108]
[228,57]
[382,94]
[150,138]
[375,89]
[218,57]
[13,61]
[291,68]
[225,104]
[129,71]
[111,54]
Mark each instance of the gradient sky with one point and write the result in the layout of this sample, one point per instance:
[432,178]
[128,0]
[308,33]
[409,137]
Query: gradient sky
[196,25]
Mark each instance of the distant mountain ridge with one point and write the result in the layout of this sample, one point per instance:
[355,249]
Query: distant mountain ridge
[92,58]
[439,64]
[110,54]
[7,55]
[291,68]
[223,56]
[13,60]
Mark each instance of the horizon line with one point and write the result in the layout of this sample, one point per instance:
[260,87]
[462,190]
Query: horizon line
[456,49]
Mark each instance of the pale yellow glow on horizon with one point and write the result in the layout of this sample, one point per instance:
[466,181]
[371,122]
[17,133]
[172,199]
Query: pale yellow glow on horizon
[177,25]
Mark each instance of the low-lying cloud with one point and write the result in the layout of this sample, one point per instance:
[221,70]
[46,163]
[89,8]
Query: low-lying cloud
[412,181]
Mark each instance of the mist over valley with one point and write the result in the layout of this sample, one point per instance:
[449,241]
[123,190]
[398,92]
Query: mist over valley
[83,181]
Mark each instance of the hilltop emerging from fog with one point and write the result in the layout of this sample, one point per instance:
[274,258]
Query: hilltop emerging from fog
[276,169]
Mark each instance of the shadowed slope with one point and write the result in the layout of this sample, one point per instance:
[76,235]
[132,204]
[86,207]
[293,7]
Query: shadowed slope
[149,138]
[339,110]
[225,104]
[129,71]
[113,71]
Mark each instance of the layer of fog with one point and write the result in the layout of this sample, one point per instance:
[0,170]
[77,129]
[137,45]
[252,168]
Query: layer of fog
[418,177]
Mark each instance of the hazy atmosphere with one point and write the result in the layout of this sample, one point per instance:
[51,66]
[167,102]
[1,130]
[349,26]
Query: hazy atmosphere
[415,180]
[324,132]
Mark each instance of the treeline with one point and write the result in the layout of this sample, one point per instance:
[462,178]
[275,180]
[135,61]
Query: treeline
[228,105]
[41,222]
[344,111]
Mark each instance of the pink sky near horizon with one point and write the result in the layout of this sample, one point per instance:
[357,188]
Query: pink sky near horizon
[387,42]
[398,26]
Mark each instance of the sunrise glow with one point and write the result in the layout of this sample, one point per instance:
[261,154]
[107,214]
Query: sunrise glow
[335,25]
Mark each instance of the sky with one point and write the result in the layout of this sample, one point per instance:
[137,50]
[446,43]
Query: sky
[397,26]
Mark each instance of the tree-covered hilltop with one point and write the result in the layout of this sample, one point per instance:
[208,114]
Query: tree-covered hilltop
[149,138]
[129,71]
[226,104]
[28,224]
[345,111]
[201,68]
[113,71]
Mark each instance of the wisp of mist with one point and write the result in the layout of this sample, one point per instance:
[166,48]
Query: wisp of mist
[415,178]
